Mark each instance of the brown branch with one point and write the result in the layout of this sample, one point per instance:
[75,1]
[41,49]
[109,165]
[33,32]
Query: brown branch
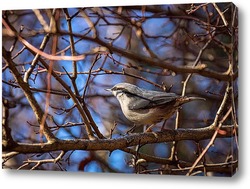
[7,139]
[215,125]
[202,70]
[48,94]
[216,167]
[40,162]
[195,134]
[31,99]
[82,111]
[124,21]
[8,156]
[148,158]
[221,14]
[73,51]
[87,112]
[74,98]
[35,60]
[35,51]
[41,20]
[173,150]
[12,32]
[54,92]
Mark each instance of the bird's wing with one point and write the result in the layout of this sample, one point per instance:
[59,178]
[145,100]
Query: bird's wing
[152,99]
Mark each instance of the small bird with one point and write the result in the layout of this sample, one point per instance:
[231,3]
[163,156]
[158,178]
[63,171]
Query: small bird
[147,107]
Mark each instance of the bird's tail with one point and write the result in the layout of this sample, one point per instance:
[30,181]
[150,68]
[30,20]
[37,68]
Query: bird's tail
[186,99]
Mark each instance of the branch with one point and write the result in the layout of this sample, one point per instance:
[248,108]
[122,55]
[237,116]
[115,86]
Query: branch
[7,139]
[217,125]
[173,150]
[40,162]
[35,60]
[216,167]
[29,95]
[195,134]
[12,32]
[202,70]
[221,14]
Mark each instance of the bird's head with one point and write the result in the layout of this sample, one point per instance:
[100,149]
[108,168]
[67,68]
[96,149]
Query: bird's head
[124,90]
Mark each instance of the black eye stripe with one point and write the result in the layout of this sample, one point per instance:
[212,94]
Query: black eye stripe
[118,88]
[129,94]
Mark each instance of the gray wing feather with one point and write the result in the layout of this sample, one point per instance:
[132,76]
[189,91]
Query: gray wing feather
[151,99]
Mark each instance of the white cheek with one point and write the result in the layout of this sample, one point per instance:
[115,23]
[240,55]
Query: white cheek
[123,99]
[119,95]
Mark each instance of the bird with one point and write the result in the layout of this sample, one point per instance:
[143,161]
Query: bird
[147,107]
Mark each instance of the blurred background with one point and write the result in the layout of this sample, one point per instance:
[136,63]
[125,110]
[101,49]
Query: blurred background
[135,44]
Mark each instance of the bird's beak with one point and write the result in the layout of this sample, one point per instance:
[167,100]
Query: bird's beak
[108,90]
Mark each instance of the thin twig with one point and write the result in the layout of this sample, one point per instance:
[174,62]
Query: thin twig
[173,149]
[37,51]
[49,74]
[31,99]
[73,52]
[221,14]
[41,20]
[40,162]
[35,60]
[216,126]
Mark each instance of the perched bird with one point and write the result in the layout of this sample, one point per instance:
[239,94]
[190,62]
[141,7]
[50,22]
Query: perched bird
[147,107]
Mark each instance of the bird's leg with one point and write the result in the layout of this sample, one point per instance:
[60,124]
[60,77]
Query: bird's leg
[131,129]
[162,127]
[149,129]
